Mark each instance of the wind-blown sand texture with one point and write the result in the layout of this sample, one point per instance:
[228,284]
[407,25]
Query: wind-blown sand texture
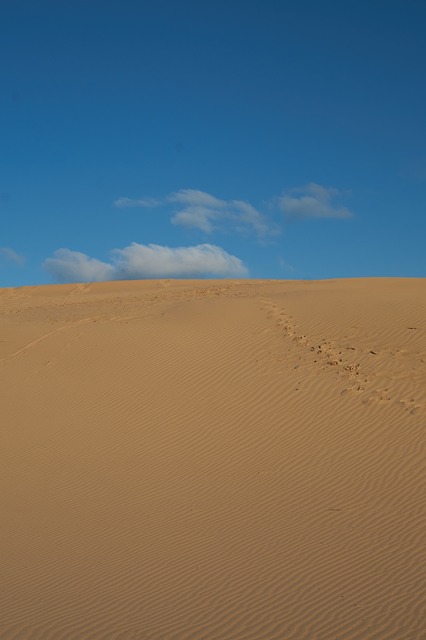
[213,459]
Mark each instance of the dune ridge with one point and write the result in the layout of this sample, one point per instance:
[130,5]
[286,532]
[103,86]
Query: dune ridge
[213,459]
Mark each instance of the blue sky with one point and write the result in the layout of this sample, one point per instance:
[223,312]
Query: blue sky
[268,139]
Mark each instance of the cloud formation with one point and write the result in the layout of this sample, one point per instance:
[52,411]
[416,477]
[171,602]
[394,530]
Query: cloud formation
[312,201]
[201,210]
[11,256]
[74,266]
[139,261]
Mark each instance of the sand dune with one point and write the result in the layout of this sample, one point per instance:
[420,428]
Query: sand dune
[213,459]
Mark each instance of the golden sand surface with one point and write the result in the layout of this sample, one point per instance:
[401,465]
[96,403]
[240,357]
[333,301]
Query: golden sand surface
[213,459]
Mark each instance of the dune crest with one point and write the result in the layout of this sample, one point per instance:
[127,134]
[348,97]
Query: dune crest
[213,459]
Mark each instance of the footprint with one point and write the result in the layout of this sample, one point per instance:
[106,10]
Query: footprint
[412,406]
[379,396]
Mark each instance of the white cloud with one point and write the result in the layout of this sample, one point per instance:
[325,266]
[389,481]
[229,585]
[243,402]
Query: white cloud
[74,266]
[122,203]
[193,197]
[246,213]
[196,217]
[155,261]
[312,201]
[201,210]
[11,256]
[139,261]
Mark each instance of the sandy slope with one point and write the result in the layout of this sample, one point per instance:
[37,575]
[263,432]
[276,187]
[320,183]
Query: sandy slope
[213,460]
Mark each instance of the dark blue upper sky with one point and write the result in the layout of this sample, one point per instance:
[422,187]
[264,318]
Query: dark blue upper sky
[266,138]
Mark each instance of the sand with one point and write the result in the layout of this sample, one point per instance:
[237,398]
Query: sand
[213,459]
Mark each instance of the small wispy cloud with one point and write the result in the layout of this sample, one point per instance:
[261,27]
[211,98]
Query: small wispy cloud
[414,170]
[138,261]
[201,210]
[11,256]
[285,266]
[122,203]
[194,197]
[312,201]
